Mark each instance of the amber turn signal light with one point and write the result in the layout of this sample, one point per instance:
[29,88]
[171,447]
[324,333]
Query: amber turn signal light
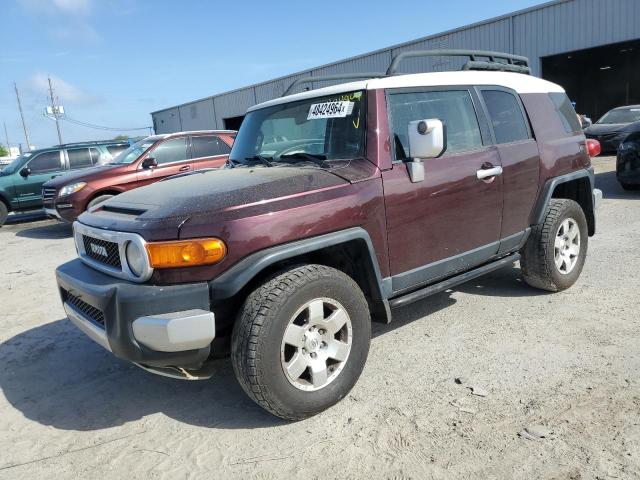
[187,253]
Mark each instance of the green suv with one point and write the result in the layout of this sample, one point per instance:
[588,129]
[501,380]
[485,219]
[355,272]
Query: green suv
[21,181]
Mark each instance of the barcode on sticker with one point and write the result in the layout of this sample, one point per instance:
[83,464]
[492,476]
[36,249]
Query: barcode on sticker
[330,110]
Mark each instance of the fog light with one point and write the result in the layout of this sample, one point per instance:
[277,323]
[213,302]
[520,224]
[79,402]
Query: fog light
[136,258]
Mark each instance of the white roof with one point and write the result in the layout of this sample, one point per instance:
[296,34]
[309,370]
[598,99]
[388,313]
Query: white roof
[516,81]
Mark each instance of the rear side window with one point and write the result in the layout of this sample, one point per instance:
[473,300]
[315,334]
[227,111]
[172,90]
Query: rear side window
[116,149]
[208,146]
[174,150]
[46,162]
[79,158]
[509,124]
[568,115]
[454,108]
[95,155]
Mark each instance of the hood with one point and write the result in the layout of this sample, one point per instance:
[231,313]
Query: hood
[605,129]
[86,175]
[159,209]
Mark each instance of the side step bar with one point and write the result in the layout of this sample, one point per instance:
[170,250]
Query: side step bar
[452,282]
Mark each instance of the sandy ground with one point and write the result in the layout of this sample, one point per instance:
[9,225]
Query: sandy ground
[567,361]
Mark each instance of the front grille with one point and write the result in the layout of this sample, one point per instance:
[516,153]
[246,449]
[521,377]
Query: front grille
[48,193]
[92,313]
[102,251]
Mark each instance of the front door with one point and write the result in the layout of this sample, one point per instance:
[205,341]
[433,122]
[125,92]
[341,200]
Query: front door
[42,168]
[172,158]
[450,221]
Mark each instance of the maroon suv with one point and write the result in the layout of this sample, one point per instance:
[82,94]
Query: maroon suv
[338,205]
[143,163]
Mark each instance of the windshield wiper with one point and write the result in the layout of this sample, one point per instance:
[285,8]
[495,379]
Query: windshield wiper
[260,158]
[313,157]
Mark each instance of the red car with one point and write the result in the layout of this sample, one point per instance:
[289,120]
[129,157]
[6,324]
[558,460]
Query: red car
[143,163]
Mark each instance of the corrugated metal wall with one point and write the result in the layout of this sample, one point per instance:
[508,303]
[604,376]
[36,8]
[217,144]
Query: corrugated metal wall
[551,28]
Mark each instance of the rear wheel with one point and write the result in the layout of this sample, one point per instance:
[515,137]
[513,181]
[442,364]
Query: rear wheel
[98,200]
[4,212]
[553,257]
[301,341]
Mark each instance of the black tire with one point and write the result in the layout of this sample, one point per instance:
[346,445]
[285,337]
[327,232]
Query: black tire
[538,255]
[629,186]
[4,213]
[98,200]
[258,335]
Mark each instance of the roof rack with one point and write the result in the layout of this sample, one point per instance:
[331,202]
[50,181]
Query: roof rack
[92,142]
[478,60]
[492,60]
[326,78]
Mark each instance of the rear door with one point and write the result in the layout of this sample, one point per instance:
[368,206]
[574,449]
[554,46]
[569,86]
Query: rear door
[78,158]
[172,158]
[208,151]
[450,221]
[519,157]
[43,167]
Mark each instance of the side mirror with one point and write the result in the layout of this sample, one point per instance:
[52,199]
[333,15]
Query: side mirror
[25,172]
[149,162]
[427,139]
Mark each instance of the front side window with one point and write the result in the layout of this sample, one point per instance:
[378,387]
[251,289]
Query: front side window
[321,129]
[454,108]
[79,158]
[506,116]
[208,146]
[45,162]
[173,150]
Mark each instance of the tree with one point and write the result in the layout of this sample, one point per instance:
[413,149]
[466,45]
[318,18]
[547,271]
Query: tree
[121,137]
[4,152]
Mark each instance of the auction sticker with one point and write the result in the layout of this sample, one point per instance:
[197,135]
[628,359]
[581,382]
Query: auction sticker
[330,110]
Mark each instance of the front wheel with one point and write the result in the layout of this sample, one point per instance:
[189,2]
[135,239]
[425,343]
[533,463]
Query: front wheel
[301,341]
[554,254]
[4,213]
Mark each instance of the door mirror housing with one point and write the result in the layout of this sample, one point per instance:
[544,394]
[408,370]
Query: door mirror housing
[427,139]
[149,162]
[25,172]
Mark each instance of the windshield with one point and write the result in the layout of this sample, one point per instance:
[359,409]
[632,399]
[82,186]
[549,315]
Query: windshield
[624,115]
[132,153]
[316,129]
[16,163]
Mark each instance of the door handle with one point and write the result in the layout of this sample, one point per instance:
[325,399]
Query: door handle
[485,173]
[185,168]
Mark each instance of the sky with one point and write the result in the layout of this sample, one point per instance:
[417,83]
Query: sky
[112,62]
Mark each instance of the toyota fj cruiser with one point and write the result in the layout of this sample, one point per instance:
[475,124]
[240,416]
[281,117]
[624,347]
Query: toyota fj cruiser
[337,205]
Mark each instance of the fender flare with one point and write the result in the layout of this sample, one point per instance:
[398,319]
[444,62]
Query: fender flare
[239,275]
[550,185]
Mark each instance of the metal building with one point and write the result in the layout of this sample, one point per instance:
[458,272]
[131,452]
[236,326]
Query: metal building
[591,47]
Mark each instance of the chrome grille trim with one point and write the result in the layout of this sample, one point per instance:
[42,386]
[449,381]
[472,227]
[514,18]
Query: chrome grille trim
[48,193]
[122,239]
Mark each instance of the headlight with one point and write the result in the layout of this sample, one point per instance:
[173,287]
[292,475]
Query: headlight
[136,258]
[186,253]
[73,188]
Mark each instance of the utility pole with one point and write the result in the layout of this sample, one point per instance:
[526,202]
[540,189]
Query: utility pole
[24,125]
[55,111]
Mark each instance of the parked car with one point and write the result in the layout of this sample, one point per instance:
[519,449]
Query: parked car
[614,127]
[21,181]
[628,162]
[145,162]
[374,194]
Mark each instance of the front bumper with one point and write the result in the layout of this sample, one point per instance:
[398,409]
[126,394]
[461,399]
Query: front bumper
[157,327]
[64,210]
